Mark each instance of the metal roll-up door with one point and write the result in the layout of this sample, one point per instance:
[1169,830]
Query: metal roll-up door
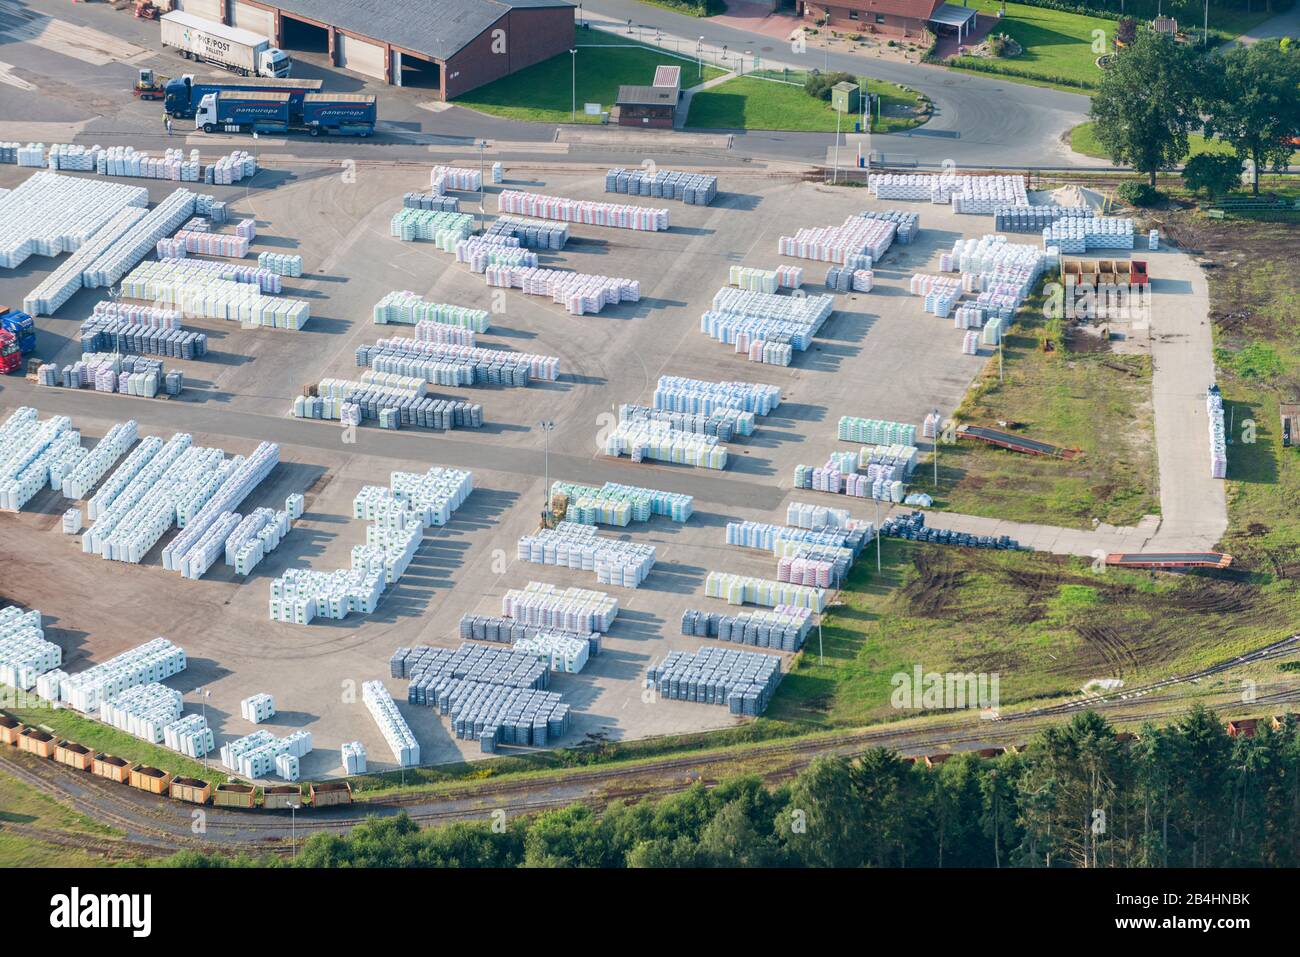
[360,56]
[208,9]
[248,17]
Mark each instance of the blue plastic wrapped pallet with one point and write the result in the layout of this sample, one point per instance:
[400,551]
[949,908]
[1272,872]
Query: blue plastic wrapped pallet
[913,528]
[744,681]
[908,223]
[434,201]
[782,628]
[694,189]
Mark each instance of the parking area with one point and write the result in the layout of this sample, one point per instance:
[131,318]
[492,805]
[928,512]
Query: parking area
[880,356]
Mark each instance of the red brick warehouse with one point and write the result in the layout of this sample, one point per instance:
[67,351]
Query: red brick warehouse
[448,47]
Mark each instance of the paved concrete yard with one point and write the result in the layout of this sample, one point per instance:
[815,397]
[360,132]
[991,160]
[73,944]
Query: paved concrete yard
[880,356]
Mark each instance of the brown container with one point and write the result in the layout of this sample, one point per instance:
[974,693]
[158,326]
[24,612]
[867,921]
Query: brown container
[190,789]
[149,779]
[328,793]
[37,742]
[74,755]
[231,794]
[112,767]
[281,796]
[9,728]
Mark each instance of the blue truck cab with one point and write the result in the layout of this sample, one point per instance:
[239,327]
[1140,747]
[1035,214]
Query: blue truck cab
[22,326]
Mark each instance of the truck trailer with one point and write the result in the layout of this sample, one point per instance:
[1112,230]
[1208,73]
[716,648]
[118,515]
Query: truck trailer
[240,51]
[339,114]
[182,96]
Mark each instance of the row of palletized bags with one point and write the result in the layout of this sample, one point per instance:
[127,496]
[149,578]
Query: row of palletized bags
[1080,235]
[143,711]
[560,652]
[445,229]
[25,655]
[724,423]
[51,214]
[681,394]
[215,298]
[443,178]
[577,546]
[28,447]
[875,431]
[480,253]
[401,740]
[645,502]
[154,661]
[105,333]
[742,680]
[1218,436]
[579,293]
[743,589]
[641,442]
[694,189]
[494,714]
[583,211]
[530,233]
[1033,219]
[78,482]
[774,538]
[569,609]
[501,629]
[265,279]
[857,242]
[431,201]
[407,308]
[492,366]
[485,663]
[783,627]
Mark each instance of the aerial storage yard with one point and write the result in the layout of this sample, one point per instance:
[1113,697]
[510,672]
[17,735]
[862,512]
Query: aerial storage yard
[830,392]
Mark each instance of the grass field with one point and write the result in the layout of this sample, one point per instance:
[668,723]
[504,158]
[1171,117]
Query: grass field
[1045,625]
[22,808]
[751,103]
[65,723]
[1097,401]
[544,92]
[1057,46]
[1083,139]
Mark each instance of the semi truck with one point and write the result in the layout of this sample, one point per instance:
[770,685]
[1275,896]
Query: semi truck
[240,51]
[181,96]
[340,114]
[21,326]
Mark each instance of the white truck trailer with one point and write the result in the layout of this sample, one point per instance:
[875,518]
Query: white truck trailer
[240,51]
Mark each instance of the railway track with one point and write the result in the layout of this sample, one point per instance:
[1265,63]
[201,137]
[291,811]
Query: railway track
[152,826]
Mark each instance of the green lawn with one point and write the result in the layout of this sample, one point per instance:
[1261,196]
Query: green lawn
[1074,397]
[1057,46]
[1045,625]
[1083,139]
[753,103]
[23,806]
[66,723]
[543,93]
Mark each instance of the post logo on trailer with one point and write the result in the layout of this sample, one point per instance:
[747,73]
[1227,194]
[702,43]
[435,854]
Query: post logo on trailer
[77,911]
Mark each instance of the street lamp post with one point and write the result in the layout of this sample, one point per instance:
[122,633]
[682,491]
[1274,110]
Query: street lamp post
[482,145]
[293,830]
[877,501]
[573,112]
[699,58]
[204,696]
[547,426]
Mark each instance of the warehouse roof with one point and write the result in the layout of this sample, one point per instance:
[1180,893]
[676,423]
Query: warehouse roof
[647,96]
[438,28]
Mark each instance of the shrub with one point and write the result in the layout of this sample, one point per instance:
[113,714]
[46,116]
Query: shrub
[1127,30]
[999,44]
[1212,174]
[1137,193]
[818,85]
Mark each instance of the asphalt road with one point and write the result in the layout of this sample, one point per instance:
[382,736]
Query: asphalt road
[979,121]
[51,75]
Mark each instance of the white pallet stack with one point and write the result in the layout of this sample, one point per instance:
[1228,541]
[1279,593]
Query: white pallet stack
[143,711]
[25,655]
[398,734]
[106,453]
[258,708]
[49,214]
[154,661]
[28,447]
[354,757]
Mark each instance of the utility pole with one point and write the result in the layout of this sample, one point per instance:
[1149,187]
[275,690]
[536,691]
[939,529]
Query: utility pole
[877,501]
[204,696]
[573,111]
[547,426]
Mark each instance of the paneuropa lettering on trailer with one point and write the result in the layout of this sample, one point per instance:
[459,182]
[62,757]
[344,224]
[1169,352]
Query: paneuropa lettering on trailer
[77,911]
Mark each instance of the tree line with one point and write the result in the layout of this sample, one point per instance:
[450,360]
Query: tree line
[1077,795]
[1157,92]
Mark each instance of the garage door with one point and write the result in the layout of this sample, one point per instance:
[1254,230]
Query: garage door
[248,17]
[211,9]
[360,56]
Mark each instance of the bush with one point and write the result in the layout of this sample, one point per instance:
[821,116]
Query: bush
[818,85]
[1137,193]
[1127,31]
[999,43]
[1212,174]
